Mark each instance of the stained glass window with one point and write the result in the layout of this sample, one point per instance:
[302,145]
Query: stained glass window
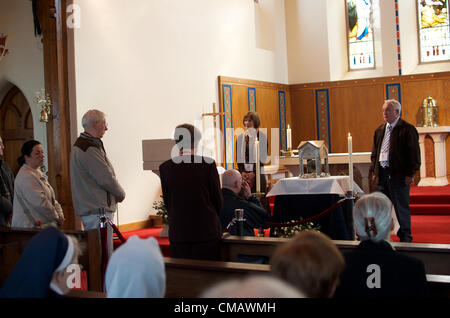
[360,34]
[434,32]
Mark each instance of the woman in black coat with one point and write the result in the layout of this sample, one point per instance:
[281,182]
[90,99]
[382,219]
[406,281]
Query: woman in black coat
[374,269]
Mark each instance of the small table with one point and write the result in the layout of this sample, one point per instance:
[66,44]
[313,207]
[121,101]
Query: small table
[438,135]
[297,197]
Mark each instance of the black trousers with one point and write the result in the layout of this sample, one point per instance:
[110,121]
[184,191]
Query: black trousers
[397,190]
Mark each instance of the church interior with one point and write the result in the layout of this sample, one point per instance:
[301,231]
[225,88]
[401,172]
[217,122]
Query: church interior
[151,65]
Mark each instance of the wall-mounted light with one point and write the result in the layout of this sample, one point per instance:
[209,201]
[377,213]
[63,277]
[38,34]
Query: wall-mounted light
[44,101]
[3,45]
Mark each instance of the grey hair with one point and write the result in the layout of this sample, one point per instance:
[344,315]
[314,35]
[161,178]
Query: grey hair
[395,104]
[256,286]
[92,116]
[377,206]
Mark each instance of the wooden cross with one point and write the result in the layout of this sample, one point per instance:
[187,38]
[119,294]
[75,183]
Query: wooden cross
[213,114]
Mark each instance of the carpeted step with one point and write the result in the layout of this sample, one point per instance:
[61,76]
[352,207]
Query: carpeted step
[430,195]
[429,199]
[430,209]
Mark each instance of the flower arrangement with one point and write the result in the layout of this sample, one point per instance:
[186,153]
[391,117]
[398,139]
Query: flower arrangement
[291,231]
[161,210]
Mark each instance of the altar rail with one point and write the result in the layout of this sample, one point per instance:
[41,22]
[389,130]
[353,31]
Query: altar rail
[436,257]
[13,242]
[189,278]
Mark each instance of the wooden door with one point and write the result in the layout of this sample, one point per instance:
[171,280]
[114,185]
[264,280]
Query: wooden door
[16,125]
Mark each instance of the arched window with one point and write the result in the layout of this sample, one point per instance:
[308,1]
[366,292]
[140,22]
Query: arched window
[361,51]
[434,33]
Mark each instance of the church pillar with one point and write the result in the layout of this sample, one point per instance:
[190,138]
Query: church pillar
[52,17]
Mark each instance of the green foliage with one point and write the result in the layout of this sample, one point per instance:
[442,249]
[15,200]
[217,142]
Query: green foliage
[161,210]
[291,231]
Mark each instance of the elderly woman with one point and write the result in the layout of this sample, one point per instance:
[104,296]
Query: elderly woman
[246,151]
[34,199]
[42,270]
[136,270]
[374,269]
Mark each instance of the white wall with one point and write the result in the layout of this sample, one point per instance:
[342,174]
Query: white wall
[154,64]
[307,41]
[317,44]
[24,65]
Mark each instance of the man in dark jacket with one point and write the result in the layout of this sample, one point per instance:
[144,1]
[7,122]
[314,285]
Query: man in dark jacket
[254,214]
[6,190]
[395,158]
[191,191]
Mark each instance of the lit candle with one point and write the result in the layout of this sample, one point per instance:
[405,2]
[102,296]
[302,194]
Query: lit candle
[289,138]
[258,168]
[350,162]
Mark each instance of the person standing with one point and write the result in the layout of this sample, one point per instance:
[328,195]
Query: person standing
[35,204]
[93,180]
[395,158]
[6,190]
[191,192]
[246,151]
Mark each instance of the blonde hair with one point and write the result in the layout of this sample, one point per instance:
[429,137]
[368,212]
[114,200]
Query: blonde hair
[311,262]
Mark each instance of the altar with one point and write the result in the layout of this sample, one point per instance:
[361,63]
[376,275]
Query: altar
[361,162]
[297,197]
[438,135]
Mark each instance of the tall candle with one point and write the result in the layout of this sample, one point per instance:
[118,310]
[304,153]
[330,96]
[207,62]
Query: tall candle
[289,138]
[258,168]
[350,162]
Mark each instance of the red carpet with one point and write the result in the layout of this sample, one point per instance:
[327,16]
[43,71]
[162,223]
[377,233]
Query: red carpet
[144,233]
[430,219]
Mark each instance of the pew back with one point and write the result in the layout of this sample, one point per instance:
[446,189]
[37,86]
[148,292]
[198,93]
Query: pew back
[188,278]
[436,257]
[13,242]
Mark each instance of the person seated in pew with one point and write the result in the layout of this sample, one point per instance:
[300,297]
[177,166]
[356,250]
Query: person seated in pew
[254,286]
[311,262]
[44,269]
[136,270]
[255,215]
[374,269]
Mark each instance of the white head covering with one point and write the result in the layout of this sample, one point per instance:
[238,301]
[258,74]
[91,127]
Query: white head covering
[136,270]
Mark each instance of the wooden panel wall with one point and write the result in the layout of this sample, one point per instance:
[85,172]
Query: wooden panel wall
[267,104]
[350,106]
[355,107]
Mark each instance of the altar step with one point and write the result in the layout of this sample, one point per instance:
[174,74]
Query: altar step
[430,200]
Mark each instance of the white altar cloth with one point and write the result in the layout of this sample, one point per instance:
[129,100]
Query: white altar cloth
[329,185]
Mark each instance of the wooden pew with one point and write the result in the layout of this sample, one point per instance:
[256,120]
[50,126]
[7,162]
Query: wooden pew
[436,257]
[187,278]
[13,241]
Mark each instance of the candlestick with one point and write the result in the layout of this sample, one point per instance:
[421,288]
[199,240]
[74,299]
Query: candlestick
[289,138]
[258,168]
[350,162]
